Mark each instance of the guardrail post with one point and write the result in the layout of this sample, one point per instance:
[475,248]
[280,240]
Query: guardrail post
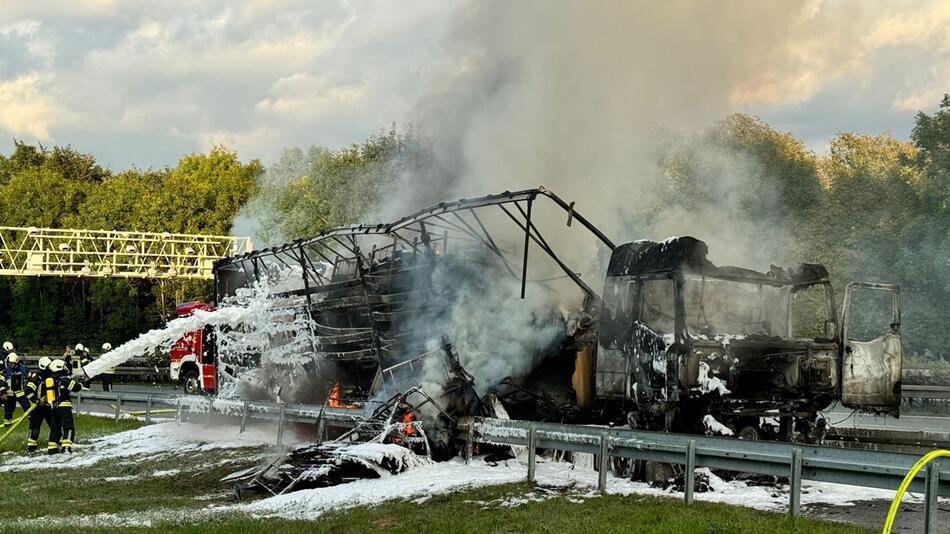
[604,464]
[690,473]
[930,499]
[148,409]
[243,417]
[118,406]
[78,401]
[280,424]
[469,442]
[321,428]
[178,410]
[532,445]
[795,484]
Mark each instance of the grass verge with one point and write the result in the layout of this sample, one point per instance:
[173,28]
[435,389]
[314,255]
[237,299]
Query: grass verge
[161,480]
[481,510]
[170,491]
[87,427]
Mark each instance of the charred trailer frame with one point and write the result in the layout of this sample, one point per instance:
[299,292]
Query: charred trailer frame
[360,285]
[681,340]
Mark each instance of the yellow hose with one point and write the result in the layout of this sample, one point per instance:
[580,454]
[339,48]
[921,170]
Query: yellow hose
[896,503]
[17,422]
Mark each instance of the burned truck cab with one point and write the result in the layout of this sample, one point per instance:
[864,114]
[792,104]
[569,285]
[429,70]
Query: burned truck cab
[693,347]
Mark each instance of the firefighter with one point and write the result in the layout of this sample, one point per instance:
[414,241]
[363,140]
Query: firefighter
[68,355]
[109,374]
[7,349]
[42,411]
[57,390]
[80,358]
[13,390]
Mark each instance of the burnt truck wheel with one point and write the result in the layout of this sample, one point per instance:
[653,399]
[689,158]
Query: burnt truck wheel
[627,468]
[749,433]
[659,474]
[190,383]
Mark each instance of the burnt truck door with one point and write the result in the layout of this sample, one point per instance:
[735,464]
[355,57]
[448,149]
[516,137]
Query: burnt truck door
[871,342]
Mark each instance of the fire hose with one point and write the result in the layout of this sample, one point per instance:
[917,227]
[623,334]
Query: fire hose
[895,504]
[17,423]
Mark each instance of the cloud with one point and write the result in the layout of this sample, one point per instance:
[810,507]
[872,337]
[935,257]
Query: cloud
[136,82]
[163,76]
[25,110]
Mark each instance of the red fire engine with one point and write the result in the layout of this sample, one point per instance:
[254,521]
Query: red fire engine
[192,356]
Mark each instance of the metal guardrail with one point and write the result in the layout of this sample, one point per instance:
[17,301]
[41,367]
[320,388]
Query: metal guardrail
[909,441]
[214,408]
[136,369]
[853,467]
[919,391]
[873,469]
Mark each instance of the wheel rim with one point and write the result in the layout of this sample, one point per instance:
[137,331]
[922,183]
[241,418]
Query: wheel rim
[191,385]
[749,433]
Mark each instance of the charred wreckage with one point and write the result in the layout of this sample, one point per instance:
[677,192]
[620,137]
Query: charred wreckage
[673,342]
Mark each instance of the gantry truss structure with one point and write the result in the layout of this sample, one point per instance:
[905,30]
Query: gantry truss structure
[102,253]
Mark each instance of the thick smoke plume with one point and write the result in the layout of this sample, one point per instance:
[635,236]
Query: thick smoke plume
[579,96]
[585,98]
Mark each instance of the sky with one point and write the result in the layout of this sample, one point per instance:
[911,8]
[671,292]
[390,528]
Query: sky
[140,83]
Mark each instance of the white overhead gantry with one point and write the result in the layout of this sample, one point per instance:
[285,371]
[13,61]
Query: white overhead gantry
[102,253]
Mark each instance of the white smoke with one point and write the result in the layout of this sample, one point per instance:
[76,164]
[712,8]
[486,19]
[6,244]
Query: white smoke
[585,98]
[580,96]
[495,334]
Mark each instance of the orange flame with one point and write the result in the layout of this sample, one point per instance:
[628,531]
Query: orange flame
[407,428]
[333,398]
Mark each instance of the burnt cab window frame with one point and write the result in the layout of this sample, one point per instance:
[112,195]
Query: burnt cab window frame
[634,296]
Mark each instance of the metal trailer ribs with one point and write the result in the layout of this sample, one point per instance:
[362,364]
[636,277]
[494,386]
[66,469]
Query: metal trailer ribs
[424,231]
[364,287]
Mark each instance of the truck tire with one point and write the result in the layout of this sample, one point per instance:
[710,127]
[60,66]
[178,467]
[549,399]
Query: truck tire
[190,382]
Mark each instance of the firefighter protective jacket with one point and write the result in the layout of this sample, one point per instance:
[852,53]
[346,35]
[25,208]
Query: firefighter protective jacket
[14,380]
[57,390]
[67,386]
[76,360]
[34,382]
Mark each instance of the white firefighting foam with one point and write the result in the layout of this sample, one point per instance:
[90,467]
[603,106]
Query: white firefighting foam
[164,337]
[151,440]
[253,315]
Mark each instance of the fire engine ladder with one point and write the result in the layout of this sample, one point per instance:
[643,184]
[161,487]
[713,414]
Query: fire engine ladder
[102,253]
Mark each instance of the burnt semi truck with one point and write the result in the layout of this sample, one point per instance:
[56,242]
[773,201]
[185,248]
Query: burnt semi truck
[695,347]
[673,342]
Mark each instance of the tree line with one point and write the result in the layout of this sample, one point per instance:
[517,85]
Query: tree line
[873,208]
[61,188]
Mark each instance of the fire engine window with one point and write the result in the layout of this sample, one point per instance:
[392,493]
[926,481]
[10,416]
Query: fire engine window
[656,305]
[726,307]
[810,312]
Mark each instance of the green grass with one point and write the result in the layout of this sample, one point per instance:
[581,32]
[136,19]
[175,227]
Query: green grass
[101,488]
[87,427]
[119,485]
[471,511]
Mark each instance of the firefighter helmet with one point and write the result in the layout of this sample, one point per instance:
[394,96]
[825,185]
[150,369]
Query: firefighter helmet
[44,363]
[57,366]
[7,346]
[106,347]
[13,358]
[80,347]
